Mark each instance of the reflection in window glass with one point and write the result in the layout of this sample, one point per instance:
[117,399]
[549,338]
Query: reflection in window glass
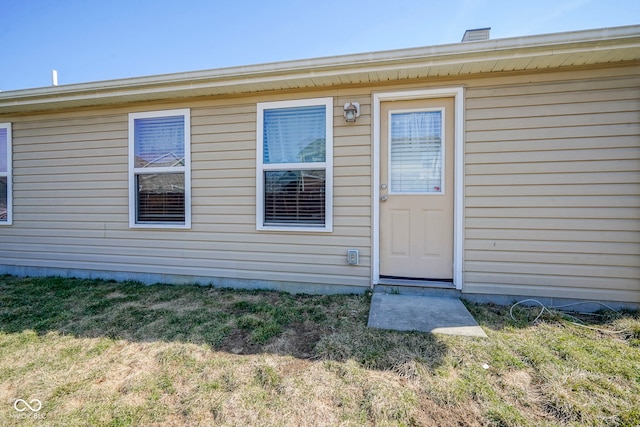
[159,142]
[161,197]
[295,197]
[3,198]
[295,135]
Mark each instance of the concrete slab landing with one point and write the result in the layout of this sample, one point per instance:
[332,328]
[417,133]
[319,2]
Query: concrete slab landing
[438,315]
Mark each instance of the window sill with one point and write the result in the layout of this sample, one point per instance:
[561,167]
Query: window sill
[162,226]
[295,229]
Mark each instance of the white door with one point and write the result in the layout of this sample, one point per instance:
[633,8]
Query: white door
[416,189]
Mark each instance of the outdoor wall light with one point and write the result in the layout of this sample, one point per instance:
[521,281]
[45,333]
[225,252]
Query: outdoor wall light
[351,111]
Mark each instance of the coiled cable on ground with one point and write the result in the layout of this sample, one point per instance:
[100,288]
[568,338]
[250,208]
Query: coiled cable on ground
[577,321]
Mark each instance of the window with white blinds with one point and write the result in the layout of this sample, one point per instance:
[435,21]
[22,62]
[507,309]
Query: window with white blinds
[5,174]
[416,152]
[294,165]
[159,169]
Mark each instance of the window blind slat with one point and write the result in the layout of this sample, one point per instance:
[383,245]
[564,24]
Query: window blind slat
[3,198]
[416,152]
[161,197]
[295,197]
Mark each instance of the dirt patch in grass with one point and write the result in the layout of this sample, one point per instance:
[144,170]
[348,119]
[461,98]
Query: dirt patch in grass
[106,353]
[238,342]
[115,295]
[178,305]
[300,341]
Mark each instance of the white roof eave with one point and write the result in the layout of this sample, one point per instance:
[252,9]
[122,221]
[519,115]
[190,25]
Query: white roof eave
[423,62]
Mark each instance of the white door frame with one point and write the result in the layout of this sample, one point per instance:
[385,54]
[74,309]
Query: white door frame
[458,197]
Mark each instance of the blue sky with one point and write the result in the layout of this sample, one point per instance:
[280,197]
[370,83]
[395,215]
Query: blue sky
[89,40]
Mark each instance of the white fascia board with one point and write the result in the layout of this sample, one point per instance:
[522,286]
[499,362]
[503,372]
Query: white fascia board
[275,75]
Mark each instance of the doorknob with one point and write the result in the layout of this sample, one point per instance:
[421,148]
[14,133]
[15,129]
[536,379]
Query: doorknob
[383,198]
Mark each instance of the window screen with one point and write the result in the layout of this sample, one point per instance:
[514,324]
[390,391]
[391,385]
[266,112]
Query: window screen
[415,152]
[160,168]
[4,197]
[159,142]
[295,135]
[5,174]
[161,197]
[296,197]
[293,168]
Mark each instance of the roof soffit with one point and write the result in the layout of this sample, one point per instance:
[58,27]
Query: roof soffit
[534,52]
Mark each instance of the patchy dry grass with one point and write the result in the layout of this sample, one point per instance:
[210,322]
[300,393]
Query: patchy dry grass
[123,354]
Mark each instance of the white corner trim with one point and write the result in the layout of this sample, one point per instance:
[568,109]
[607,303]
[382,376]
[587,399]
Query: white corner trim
[457,93]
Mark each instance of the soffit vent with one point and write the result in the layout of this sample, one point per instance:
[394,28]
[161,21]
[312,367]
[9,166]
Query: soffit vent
[476,35]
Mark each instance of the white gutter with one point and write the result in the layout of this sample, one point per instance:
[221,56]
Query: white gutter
[189,83]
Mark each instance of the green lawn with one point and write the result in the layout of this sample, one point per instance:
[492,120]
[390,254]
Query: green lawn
[123,354]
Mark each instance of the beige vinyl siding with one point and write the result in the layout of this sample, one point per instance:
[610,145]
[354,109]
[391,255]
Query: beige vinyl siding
[552,190]
[552,187]
[71,200]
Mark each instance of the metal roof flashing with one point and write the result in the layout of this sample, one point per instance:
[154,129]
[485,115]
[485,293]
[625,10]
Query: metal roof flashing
[517,53]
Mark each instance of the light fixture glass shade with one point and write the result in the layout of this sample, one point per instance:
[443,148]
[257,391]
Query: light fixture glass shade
[351,111]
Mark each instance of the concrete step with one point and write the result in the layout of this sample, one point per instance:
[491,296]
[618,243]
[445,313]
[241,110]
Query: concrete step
[443,315]
[403,289]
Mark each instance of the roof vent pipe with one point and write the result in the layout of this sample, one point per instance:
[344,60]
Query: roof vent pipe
[476,35]
[54,77]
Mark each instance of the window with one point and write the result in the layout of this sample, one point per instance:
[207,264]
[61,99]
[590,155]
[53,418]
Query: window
[160,169]
[5,174]
[416,152]
[295,165]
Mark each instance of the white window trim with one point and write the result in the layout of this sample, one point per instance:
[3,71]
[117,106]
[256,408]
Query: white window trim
[9,175]
[186,113]
[327,165]
[442,152]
